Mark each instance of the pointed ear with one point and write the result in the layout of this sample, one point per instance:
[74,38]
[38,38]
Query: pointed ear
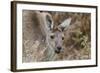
[64,25]
[49,21]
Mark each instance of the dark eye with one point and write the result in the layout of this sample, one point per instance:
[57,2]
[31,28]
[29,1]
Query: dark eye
[62,38]
[52,37]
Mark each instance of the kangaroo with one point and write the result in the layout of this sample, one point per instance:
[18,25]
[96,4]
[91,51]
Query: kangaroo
[54,36]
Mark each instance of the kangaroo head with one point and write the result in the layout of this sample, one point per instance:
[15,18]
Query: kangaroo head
[56,37]
[54,34]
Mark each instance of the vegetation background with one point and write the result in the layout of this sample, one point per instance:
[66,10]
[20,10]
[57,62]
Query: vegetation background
[77,40]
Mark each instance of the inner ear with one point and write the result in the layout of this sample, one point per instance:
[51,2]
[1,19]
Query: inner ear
[49,22]
[62,28]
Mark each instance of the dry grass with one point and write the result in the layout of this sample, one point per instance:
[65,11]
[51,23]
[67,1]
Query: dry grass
[77,38]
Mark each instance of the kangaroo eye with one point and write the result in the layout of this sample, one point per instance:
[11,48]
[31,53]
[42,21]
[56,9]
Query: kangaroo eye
[52,37]
[62,38]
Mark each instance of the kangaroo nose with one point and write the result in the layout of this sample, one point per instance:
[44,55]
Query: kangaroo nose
[59,48]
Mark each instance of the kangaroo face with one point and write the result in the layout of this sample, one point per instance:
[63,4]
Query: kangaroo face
[57,39]
[58,36]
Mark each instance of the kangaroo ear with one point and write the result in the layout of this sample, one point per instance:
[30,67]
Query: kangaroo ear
[49,21]
[64,25]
